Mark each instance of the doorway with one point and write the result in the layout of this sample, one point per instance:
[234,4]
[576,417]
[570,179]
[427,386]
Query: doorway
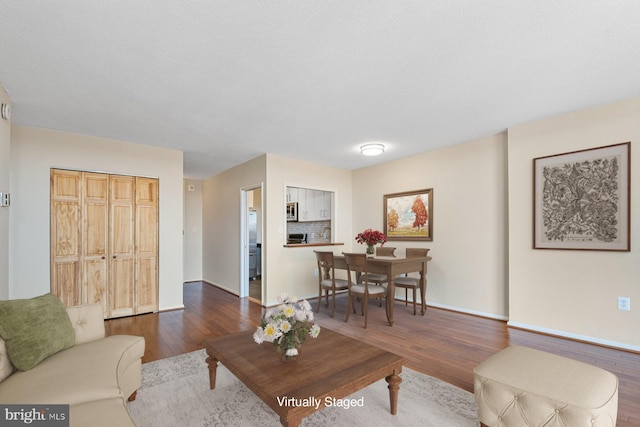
[252,281]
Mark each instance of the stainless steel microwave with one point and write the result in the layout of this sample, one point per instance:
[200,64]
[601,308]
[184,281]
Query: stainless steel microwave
[292,211]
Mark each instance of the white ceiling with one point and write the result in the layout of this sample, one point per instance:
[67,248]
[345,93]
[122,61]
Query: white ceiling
[226,81]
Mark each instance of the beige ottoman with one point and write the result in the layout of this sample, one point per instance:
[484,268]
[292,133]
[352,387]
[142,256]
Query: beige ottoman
[520,386]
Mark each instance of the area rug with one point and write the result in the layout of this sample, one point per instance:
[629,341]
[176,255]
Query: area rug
[175,392]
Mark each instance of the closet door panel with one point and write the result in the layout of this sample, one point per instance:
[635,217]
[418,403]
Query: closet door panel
[95,235]
[65,232]
[121,297]
[64,276]
[121,245]
[146,286]
[146,245]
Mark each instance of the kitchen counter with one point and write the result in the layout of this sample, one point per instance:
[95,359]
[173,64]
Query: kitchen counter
[304,245]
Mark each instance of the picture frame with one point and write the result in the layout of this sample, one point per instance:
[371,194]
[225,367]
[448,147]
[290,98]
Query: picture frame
[409,215]
[582,199]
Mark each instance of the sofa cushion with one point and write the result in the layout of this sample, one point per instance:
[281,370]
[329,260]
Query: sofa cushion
[87,321]
[34,329]
[6,368]
[82,373]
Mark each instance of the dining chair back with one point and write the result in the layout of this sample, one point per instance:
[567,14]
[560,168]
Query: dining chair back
[379,278]
[327,281]
[362,288]
[385,251]
[412,283]
[416,252]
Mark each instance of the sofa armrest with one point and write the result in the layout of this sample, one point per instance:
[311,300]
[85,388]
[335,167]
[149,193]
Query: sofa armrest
[87,321]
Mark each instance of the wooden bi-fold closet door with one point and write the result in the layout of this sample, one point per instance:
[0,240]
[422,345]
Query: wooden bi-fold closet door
[146,244]
[65,237]
[94,243]
[104,241]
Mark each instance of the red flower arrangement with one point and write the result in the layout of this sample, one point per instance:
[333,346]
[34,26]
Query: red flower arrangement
[371,237]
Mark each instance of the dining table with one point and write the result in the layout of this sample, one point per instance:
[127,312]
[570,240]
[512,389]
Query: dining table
[392,267]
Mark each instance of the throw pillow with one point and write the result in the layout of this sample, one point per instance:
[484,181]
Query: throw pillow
[34,329]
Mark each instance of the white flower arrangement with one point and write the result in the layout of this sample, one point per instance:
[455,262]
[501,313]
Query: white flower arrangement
[287,326]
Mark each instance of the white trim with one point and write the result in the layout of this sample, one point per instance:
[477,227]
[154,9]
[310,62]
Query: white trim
[466,311]
[177,307]
[224,288]
[579,337]
[244,238]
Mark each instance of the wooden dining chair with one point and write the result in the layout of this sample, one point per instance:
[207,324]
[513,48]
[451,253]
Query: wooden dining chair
[327,281]
[357,264]
[379,278]
[385,251]
[412,283]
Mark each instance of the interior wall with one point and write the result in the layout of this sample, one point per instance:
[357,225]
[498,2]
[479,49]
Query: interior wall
[283,269]
[35,151]
[5,166]
[569,292]
[291,269]
[468,271]
[221,222]
[192,230]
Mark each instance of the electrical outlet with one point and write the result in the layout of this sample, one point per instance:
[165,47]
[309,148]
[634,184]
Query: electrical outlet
[624,303]
[315,272]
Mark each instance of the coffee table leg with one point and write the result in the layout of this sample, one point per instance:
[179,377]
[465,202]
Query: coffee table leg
[291,422]
[213,367]
[394,385]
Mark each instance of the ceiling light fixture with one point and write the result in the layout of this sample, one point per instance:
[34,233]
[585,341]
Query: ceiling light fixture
[372,149]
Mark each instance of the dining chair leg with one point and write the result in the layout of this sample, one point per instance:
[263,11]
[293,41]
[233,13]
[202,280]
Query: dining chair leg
[406,296]
[365,311]
[319,299]
[363,304]
[414,301]
[346,319]
[333,303]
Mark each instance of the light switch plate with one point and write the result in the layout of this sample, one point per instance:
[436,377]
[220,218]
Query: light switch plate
[4,200]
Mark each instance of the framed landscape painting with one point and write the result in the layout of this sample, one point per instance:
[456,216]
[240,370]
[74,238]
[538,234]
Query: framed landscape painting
[409,215]
[581,199]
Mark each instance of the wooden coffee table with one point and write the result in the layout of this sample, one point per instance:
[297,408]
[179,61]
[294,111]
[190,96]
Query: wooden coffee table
[329,368]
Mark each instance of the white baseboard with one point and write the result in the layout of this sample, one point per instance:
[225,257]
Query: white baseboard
[467,311]
[224,288]
[177,307]
[585,338]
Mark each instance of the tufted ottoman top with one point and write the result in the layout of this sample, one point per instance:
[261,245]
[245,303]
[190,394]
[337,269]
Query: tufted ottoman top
[557,378]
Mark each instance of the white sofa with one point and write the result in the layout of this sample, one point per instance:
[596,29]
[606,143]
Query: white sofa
[95,376]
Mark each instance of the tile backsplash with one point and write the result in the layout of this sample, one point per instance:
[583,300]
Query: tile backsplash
[317,231]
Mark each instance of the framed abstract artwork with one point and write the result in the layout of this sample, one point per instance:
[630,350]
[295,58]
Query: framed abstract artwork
[582,199]
[409,215]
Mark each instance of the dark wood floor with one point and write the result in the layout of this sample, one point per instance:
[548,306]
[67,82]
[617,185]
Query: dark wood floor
[443,344]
